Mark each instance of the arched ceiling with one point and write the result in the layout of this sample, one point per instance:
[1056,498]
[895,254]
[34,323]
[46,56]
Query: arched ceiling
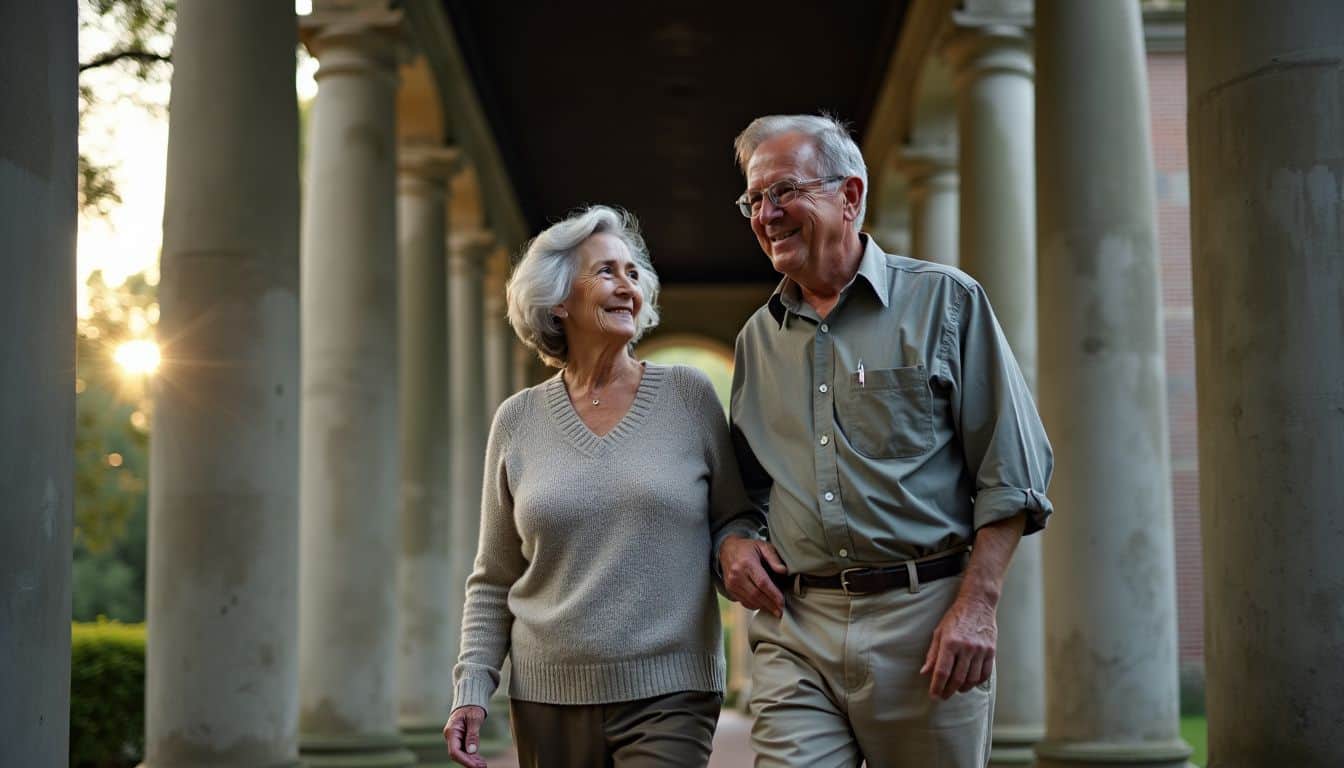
[637,104]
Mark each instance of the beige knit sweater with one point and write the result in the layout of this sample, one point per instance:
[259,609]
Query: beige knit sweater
[593,569]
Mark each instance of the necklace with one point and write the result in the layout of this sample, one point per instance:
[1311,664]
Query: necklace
[597,401]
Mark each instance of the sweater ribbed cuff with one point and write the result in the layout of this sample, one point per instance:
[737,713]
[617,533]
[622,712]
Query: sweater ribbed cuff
[474,691]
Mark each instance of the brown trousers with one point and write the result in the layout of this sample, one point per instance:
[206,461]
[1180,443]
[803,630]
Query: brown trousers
[672,731]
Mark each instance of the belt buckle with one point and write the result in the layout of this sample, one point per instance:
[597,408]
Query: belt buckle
[844,581]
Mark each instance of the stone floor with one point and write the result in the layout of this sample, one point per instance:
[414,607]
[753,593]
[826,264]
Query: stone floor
[732,747]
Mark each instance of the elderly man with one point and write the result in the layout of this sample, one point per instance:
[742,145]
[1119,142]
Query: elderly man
[885,431]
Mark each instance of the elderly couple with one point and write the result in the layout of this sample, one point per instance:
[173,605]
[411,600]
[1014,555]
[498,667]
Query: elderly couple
[883,460]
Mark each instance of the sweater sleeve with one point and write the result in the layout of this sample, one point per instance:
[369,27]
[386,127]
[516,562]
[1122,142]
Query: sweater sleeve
[730,512]
[486,620]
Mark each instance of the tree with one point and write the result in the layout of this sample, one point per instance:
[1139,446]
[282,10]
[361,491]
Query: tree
[139,34]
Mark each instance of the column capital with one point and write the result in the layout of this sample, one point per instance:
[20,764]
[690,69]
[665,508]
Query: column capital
[470,247]
[924,165]
[423,168]
[353,40]
[979,45]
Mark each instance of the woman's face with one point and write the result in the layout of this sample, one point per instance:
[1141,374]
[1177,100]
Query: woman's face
[604,300]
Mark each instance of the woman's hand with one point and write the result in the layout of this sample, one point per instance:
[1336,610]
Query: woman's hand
[463,734]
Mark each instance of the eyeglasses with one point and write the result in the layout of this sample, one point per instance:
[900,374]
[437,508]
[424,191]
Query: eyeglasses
[781,193]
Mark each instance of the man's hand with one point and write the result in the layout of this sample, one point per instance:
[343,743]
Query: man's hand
[961,655]
[743,562]
[463,734]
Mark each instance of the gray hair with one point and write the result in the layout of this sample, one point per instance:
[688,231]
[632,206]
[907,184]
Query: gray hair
[838,153]
[545,276]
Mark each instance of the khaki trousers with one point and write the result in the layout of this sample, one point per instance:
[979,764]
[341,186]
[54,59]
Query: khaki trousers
[672,731]
[836,681]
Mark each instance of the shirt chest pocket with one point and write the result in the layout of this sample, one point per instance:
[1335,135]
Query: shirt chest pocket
[889,415]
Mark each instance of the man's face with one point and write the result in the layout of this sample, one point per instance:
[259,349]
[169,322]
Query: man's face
[814,223]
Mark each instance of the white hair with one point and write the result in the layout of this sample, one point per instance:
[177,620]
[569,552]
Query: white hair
[838,154]
[545,275]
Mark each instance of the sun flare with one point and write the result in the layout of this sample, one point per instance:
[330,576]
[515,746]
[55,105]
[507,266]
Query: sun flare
[139,357]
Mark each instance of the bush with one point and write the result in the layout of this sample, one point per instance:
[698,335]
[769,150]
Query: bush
[107,694]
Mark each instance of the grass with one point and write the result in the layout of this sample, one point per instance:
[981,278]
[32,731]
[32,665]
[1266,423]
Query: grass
[1195,731]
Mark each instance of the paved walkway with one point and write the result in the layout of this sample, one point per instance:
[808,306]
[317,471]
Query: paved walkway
[732,744]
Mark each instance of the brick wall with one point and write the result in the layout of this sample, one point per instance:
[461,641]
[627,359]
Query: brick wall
[1166,88]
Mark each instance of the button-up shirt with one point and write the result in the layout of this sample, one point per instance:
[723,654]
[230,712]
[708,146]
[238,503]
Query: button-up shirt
[892,428]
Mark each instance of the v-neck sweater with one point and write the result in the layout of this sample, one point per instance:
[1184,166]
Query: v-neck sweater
[593,572]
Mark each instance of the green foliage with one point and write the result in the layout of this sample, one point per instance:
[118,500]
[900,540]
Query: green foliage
[107,694]
[112,421]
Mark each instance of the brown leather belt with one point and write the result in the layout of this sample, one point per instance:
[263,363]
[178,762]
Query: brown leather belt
[867,581]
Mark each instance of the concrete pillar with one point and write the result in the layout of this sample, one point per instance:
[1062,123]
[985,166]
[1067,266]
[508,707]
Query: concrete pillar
[994,92]
[349,474]
[37,367]
[425,655]
[467,254]
[931,187]
[222,666]
[1111,661]
[498,334]
[523,360]
[1266,138]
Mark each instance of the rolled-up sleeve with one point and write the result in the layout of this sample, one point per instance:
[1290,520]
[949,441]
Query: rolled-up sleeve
[1006,448]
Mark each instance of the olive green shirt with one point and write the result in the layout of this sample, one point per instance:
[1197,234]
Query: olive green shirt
[892,429]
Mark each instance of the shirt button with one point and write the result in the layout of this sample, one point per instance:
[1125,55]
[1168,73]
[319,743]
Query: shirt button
[843,553]
[825,439]
[829,496]
[823,389]
[825,328]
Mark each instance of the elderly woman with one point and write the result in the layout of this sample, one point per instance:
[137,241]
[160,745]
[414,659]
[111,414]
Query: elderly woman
[605,487]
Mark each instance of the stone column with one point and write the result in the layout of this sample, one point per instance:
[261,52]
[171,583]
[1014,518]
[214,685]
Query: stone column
[931,186]
[425,660]
[523,360]
[1111,661]
[467,254]
[37,364]
[222,665]
[1266,138]
[498,334]
[994,90]
[349,474]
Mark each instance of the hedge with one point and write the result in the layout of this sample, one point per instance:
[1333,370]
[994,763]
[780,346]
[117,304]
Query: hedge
[107,694]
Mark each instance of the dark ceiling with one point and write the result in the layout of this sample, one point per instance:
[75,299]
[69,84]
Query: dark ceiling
[637,104]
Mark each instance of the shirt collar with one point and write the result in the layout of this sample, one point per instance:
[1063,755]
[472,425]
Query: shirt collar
[788,297]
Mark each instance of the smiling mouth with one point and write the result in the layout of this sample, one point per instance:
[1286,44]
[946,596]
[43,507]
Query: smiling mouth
[621,311]
[775,238]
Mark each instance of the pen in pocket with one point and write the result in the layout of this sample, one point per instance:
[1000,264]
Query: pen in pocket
[860,372]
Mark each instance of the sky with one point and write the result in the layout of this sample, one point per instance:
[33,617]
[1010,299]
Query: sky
[128,129]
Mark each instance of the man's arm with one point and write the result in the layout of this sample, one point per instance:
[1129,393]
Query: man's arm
[1007,453]
[961,654]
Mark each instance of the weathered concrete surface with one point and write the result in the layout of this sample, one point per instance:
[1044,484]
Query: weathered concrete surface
[349,476]
[1266,96]
[424,655]
[37,371]
[1111,666]
[222,666]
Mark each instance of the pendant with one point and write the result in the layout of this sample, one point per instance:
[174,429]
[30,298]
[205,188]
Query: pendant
[597,402]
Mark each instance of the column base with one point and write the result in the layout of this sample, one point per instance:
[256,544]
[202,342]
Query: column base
[425,741]
[1173,753]
[1013,744]
[366,750]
